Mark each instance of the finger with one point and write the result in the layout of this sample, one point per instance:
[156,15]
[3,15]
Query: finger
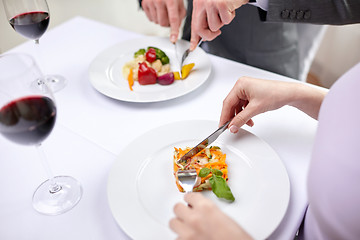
[225,14]
[194,198]
[231,105]
[180,228]
[174,21]
[240,107]
[242,118]
[213,19]
[162,15]
[181,211]
[197,20]
[152,12]
[147,11]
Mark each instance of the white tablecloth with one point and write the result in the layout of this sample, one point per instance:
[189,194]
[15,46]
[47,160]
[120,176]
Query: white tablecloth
[92,129]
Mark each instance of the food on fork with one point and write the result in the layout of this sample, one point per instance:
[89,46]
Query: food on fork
[211,168]
[152,66]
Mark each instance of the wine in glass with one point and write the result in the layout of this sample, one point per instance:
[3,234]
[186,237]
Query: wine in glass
[27,117]
[30,18]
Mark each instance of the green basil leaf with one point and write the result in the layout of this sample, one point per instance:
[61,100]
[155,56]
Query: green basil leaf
[204,172]
[216,172]
[220,188]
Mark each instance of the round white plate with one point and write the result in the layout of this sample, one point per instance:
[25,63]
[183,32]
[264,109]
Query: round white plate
[142,190]
[106,71]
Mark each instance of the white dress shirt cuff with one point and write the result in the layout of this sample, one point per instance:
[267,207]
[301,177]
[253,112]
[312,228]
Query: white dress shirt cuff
[263,4]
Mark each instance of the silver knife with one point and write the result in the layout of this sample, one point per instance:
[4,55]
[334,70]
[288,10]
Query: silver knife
[203,144]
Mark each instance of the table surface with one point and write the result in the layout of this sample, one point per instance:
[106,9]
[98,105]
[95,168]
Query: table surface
[92,129]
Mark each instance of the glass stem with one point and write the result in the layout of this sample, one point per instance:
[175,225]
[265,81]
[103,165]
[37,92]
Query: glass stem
[53,187]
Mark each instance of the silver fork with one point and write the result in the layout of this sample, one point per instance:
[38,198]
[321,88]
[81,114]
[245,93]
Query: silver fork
[187,179]
[185,54]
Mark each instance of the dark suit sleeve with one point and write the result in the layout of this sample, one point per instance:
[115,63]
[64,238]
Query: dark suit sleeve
[333,12]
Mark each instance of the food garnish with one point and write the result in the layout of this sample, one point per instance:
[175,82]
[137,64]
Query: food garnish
[210,166]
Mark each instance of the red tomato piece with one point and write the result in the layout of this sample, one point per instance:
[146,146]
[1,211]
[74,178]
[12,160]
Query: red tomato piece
[146,75]
[150,55]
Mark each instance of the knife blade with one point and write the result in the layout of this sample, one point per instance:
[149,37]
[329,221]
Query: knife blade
[203,144]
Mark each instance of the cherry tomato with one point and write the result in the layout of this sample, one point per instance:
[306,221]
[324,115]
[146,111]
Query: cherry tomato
[150,55]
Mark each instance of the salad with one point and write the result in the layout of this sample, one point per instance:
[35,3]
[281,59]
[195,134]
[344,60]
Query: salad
[211,168]
[152,66]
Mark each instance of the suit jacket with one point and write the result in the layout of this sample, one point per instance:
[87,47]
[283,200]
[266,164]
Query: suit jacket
[280,44]
[266,45]
[332,12]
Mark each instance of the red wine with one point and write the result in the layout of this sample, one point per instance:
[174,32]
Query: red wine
[31,25]
[28,120]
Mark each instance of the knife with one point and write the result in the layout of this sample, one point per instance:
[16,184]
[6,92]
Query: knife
[204,143]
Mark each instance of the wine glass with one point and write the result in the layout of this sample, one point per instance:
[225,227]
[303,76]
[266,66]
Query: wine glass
[30,18]
[27,117]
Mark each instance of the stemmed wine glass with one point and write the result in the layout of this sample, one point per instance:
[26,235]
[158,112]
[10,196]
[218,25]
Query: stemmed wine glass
[30,18]
[27,117]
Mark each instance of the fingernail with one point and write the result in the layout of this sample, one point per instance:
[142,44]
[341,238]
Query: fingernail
[173,38]
[234,129]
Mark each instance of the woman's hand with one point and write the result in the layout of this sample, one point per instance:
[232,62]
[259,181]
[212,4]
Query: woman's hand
[202,219]
[250,97]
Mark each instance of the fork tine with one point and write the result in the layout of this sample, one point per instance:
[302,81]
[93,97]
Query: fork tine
[187,179]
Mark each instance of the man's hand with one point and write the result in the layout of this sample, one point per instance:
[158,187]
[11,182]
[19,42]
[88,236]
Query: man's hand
[166,13]
[209,16]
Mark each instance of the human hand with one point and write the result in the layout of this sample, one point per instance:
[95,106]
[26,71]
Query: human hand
[250,97]
[209,16]
[166,13]
[202,219]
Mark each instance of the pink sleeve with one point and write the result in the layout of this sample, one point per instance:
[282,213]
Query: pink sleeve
[334,172]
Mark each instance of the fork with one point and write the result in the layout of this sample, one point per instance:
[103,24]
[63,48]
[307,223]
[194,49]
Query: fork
[187,179]
[184,56]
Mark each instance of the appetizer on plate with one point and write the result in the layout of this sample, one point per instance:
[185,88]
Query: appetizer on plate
[211,168]
[151,66]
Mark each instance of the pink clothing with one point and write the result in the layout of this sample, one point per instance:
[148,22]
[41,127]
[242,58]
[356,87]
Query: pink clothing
[334,172]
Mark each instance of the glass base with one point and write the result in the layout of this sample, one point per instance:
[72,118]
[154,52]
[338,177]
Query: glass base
[50,199]
[54,82]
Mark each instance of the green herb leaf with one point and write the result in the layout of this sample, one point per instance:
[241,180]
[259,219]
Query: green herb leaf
[215,147]
[216,172]
[204,172]
[141,51]
[220,188]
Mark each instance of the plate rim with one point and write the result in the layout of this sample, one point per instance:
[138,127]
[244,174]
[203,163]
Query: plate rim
[280,164]
[115,92]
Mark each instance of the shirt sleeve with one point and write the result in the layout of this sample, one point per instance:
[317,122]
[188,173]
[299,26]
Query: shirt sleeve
[263,4]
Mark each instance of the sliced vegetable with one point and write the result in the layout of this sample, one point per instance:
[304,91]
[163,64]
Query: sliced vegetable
[166,79]
[146,75]
[185,70]
[176,75]
[131,79]
[161,55]
[141,51]
[150,55]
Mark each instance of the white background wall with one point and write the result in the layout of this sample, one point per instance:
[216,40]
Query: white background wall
[339,50]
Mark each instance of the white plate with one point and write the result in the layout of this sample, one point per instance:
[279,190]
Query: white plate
[106,71]
[142,191]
